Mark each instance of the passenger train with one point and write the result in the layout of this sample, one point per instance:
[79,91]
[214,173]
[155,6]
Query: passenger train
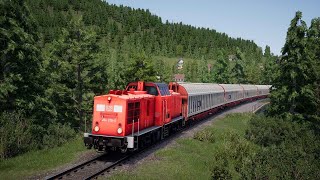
[146,112]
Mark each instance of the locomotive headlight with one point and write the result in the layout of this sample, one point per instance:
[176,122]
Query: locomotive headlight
[96,129]
[119,130]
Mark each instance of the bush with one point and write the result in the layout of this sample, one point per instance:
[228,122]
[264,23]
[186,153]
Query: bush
[15,133]
[266,131]
[58,134]
[289,150]
[220,172]
[206,135]
[19,135]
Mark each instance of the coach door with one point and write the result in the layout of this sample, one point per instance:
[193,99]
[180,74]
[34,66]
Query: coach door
[184,107]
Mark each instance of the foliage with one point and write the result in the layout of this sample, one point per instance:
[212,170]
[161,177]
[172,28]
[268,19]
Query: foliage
[295,84]
[73,67]
[289,150]
[313,47]
[128,31]
[267,131]
[221,70]
[21,86]
[270,68]
[205,136]
[238,72]
[162,70]
[57,135]
[140,68]
[19,134]
[16,136]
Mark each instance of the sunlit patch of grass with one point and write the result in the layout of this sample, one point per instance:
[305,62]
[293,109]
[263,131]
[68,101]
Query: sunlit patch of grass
[37,162]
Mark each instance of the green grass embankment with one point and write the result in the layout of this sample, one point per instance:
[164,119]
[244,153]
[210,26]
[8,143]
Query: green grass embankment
[37,162]
[218,151]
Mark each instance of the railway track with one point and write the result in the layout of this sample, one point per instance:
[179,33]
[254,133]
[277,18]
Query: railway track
[91,169]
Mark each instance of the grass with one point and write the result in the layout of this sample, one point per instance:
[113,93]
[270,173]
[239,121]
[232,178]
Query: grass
[195,159]
[37,162]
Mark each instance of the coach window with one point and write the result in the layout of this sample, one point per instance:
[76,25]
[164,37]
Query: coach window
[133,112]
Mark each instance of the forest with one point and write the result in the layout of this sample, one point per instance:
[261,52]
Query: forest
[56,55]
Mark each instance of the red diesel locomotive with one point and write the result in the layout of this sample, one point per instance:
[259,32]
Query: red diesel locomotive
[145,113]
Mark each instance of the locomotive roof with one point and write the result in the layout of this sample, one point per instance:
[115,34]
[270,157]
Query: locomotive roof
[128,96]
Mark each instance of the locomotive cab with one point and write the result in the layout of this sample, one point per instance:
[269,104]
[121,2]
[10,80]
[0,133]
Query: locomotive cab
[116,116]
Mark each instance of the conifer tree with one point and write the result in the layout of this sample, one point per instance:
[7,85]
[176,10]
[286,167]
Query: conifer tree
[163,70]
[140,68]
[75,70]
[293,89]
[20,87]
[313,46]
[267,52]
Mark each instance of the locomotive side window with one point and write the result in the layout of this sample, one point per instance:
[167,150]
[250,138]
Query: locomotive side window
[133,112]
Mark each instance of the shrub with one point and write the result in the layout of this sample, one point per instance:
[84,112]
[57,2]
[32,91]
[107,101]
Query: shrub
[266,131]
[15,133]
[19,135]
[289,150]
[58,134]
[220,172]
[205,135]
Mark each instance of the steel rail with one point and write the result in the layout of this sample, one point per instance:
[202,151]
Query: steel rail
[74,169]
[95,175]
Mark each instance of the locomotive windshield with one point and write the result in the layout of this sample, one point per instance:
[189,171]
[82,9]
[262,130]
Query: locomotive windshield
[164,89]
[151,90]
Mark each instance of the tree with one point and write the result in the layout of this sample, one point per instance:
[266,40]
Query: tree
[237,72]
[293,90]
[75,71]
[221,72]
[313,47]
[179,50]
[21,86]
[267,52]
[163,70]
[191,71]
[140,68]
[270,70]
[203,71]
